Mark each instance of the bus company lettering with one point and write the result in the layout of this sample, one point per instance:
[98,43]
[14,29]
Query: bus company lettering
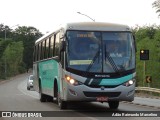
[102,75]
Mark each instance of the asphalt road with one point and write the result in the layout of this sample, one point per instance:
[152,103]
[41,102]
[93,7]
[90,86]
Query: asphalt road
[14,96]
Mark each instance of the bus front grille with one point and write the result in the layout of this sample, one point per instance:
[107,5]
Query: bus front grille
[100,94]
[99,86]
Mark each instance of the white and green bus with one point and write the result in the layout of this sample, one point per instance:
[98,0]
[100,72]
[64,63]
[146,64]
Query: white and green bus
[86,61]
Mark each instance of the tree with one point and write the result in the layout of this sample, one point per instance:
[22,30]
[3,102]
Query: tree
[6,28]
[3,46]
[13,55]
[28,35]
[18,42]
[144,32]
[156,5]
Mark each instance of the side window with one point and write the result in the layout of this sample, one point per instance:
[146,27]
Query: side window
[57,44]
[41,51]
[47,48]
[51,46]
[38,52]
[44,49]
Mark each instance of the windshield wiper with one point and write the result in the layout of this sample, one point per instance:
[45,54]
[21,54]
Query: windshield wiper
[93,60]
[111,61]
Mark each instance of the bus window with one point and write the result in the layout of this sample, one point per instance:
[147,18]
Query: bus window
[57,45]
[51,46]
[44,48]
[47,48]
[40,51]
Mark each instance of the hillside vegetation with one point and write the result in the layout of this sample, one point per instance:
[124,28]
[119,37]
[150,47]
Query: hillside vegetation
[148,37]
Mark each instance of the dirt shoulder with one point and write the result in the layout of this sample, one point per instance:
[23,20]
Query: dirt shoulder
[2,81]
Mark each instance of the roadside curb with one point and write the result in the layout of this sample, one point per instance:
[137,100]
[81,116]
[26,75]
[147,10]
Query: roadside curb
[4,81]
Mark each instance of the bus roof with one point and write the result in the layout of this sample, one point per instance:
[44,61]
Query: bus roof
[89,26]
[96,26]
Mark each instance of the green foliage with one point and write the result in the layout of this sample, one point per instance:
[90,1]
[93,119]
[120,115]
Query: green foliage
[3,46]
[156,5]
[13,55]
[145,31]
[148,37]
[28,35]
[16,51]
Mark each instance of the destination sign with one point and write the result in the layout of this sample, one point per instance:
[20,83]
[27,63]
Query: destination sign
[84,35]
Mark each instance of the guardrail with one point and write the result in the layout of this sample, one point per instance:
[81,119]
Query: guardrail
[148,89]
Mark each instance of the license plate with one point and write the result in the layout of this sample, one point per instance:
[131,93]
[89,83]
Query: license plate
[102,99]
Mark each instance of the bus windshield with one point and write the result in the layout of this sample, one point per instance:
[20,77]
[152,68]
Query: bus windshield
[100,52]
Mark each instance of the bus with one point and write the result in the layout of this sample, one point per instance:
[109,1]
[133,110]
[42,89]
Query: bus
[86,62]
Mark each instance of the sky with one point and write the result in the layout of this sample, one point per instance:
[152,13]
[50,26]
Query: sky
[47,15]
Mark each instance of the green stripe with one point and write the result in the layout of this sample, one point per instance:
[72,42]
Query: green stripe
[116,81]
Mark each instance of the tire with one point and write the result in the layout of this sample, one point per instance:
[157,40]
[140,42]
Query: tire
[62,104]
[113,104]
[49,99]
[42,97]
[55,91]
[57,99]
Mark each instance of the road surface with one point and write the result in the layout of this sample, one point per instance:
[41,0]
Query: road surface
[14,96]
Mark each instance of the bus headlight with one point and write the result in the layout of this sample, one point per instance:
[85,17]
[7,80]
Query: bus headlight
[128,83]
[72,81]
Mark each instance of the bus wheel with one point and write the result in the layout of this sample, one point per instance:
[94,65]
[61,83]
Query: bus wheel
[49,99]
[42,96]
[113,104]
[62,104]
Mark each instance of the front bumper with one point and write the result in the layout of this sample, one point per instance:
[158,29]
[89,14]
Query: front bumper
[85,93]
